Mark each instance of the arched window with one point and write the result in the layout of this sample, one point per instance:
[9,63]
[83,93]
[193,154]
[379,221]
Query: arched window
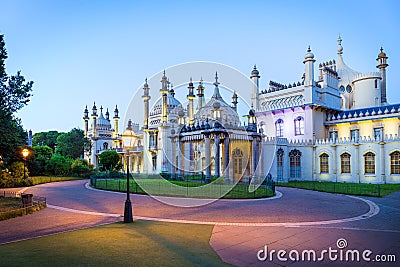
[345,162]
[395,162]
[369,163]
[105,146]
[279,128]
[279,158]
[348,89]
[341,89]
[299,125]
[324,163]
[237,156]
[376,83]
[295,164]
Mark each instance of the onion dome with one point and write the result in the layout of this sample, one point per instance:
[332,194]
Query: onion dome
[382,54]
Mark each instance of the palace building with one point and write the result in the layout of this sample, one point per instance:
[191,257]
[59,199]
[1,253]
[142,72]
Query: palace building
[334,124]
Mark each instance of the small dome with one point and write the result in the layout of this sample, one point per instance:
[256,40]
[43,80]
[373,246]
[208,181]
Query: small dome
[255,72]
[216,105]
[251,112]
[172,103]
[181,113]
[382,54]
[309,54]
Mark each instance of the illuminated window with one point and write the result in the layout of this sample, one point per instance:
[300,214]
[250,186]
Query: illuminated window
[295,164]
[395,162]
[279,128]
[369,163]
[345,162]
[324,163]
[299,126]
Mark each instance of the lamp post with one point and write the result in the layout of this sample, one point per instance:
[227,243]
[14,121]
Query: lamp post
[25,153]
[128,140]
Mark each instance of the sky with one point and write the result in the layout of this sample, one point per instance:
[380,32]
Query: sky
[78,52]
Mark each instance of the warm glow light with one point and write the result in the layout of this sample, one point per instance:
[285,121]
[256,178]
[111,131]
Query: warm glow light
[25,152]
[128,138]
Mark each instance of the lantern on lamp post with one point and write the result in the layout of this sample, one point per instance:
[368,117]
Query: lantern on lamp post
[25,153]
[128,141]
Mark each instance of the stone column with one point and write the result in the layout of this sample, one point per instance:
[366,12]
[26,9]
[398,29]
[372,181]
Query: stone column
[357,164]
[173,160]
[335,176]
[226,157]
[314,166]
[382,163]
[217,155]
[254,157]
[208,158]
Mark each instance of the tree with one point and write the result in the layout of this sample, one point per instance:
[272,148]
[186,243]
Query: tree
[72,144]
[81,167]
[39,159]
[109,160]
[46,139]
[14,94]
[59,165]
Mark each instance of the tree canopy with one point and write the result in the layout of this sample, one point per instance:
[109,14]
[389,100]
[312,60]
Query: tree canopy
[14,94]
[71,144]
[46,139]
[109,160]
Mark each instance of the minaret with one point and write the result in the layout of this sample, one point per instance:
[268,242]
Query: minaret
[234,101]
[382,68]
[191,97]
[254,87]
[164,94]
[309,68]
[116,120]
[146,98]
[200,95]
[86,119]
[94,117]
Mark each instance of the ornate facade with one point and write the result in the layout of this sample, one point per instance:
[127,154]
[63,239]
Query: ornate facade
[332,125]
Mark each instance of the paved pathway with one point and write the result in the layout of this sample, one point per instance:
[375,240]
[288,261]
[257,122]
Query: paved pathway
[300,220]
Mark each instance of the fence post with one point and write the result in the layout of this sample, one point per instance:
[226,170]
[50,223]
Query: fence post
[379,190]
[119,184]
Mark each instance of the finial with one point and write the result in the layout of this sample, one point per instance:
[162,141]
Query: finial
[190,79]
[340,48]
[101,109]
[145,80]
[309,49]
[255,67]
[216,78]
[164,73]
[381,49]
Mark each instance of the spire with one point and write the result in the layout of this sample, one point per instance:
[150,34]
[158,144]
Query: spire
[340,48]
[101,109]
[86,113]
[216,94]
[172,91]
[254,72]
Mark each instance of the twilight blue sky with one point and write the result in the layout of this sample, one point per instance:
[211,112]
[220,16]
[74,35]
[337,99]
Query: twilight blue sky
[78,52]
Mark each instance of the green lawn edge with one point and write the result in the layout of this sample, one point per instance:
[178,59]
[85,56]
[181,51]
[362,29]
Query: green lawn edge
[141,243]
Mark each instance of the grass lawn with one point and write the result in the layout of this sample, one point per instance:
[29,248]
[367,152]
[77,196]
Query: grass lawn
[182,188]
[49,179]
[375,190]
[142,243]
[9,203]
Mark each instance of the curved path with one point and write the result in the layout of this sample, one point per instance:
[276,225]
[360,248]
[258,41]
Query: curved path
[294,216]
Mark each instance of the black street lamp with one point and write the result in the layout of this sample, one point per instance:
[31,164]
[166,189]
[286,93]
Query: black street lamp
[25,153]
[128,140]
